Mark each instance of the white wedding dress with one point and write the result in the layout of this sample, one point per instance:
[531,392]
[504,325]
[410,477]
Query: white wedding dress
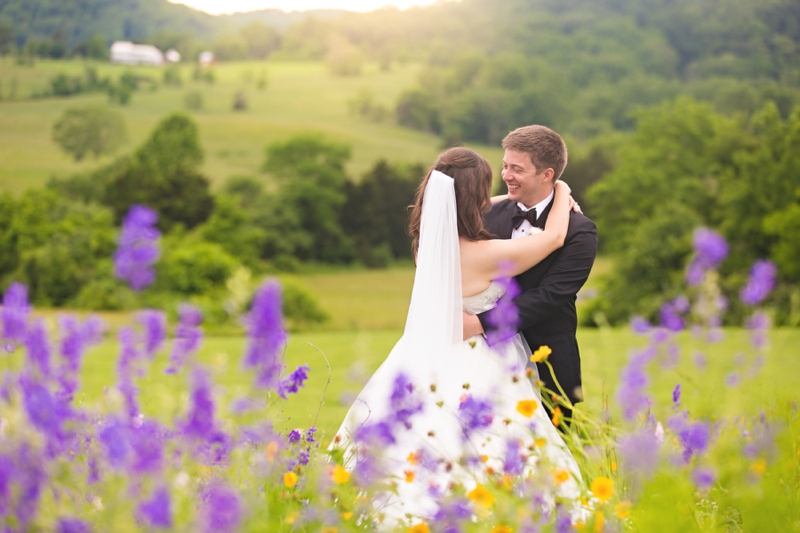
[441,410]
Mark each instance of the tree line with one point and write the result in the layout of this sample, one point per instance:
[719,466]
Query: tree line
[59,239]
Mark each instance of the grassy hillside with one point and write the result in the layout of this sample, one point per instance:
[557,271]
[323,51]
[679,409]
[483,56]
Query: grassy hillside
[299,96]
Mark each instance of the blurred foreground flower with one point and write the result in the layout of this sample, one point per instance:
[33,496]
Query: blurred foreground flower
[138,248]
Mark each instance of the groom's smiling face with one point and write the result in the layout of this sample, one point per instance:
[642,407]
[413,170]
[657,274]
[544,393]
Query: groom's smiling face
[525,184]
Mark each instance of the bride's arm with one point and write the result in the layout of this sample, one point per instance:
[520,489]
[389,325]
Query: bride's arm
[500,198]
[504,257]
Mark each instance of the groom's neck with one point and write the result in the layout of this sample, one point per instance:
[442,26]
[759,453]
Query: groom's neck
[541,197]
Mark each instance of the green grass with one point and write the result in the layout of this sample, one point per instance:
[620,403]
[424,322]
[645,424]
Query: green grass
[299,96]
[355,355]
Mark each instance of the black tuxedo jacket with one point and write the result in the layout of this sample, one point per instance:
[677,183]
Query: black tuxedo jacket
[546,303]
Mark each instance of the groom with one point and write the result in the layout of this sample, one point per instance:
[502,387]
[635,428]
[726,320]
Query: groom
[535,157]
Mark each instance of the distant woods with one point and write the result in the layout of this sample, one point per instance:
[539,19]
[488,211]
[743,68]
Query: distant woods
[59,240]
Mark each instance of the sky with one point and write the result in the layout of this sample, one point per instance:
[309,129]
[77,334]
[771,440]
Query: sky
[217,7]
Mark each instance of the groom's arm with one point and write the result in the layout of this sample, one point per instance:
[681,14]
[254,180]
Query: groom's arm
[560,283]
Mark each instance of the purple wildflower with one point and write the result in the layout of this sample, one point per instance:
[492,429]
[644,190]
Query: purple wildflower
[38,346]
[200,419]
[694,437]
[474,415]
[156,511]
[640,325]
[138,248]
[759,325]
[704,478]
[6,475]
[40,406]
[266,334]
[639,451]
[31,479]
[303,458]
[563,522]
[188,336]
[114,434]
[127,358]
[402,403]
[292,383]
[504,316]
[72,342]
[710,249]
[154,324]
[148,448]
[732,379]
[670,317]
[15,311]
[676,395]
[293,436]
[762,280]
[630,393]
[514,461]
[93,329]
[376,435]
[221,509]
[452,512]
[310,434]
[73,525]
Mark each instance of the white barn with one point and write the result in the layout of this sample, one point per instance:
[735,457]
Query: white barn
[127,53]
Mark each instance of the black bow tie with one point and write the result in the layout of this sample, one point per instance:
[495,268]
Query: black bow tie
[520,215]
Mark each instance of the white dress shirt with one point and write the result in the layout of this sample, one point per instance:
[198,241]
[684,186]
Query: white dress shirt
[524,228]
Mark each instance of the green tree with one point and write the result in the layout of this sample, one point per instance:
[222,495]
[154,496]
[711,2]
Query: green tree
[90,129]
[233,228]
[375,214]
[311,176]
[164,175]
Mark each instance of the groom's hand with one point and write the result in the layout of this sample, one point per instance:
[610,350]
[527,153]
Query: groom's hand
[472,326]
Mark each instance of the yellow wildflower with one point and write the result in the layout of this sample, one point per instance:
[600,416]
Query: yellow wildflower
[409,475]
[557,416]
[759,467]
[599,522]
[484,458]
[623,509]
[290,479]
[329,530]
[271,451]
[481,496]
[540,442]
[613,466]
[507,481]
[527,407]
[602,488]
[292,517]
[502,529]
[422,527]
[541,354]
[340,475]
[560,475]
[347,516]
[412,458]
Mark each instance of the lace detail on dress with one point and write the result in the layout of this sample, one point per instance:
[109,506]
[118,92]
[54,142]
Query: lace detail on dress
[484,300]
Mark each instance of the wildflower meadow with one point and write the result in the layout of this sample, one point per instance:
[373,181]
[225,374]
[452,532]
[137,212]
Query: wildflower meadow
[218,464]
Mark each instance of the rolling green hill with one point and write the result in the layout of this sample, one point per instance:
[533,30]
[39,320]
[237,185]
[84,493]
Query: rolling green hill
[297,97]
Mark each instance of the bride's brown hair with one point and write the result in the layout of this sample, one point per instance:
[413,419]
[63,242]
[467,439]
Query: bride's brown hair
[472,178]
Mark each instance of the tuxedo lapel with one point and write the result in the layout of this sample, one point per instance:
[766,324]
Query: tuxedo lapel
[498,220]
[542,219]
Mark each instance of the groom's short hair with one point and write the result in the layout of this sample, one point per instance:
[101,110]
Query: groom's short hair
[545,147]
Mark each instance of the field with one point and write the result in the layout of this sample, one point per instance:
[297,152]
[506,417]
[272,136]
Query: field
[368,312]
[298,97]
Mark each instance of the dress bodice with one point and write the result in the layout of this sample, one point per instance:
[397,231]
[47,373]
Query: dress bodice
[484,300]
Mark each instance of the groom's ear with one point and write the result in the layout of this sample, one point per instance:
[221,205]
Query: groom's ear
[549,174]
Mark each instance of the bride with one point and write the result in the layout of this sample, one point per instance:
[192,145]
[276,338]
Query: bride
[441,411]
